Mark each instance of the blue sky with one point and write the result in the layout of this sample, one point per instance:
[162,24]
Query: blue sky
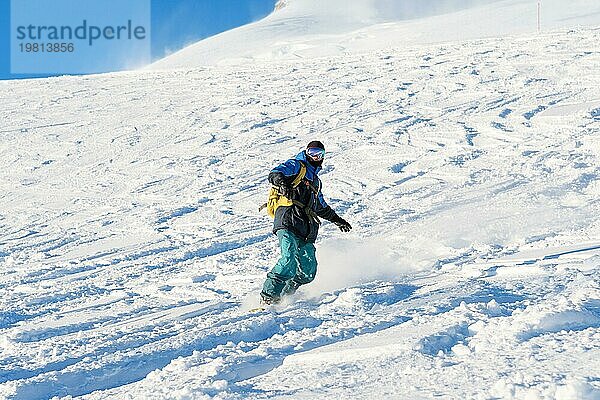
[174,24]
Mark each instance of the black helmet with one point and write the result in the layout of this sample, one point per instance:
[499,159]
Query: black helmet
[315,152]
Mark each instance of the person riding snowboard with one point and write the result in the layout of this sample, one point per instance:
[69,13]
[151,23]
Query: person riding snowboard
[297,225]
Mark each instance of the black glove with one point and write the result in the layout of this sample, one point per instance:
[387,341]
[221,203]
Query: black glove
[342,224]
[284,188]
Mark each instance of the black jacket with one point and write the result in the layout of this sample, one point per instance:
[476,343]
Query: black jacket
[294,218]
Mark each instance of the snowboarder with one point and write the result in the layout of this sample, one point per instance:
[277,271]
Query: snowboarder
[296,222]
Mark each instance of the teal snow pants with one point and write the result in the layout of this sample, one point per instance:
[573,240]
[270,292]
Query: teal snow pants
[297,266]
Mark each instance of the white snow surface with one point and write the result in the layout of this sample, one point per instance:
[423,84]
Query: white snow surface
[305,29]
[131,248]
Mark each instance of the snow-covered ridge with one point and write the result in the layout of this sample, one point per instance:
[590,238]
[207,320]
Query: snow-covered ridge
[131,245]
[304,29]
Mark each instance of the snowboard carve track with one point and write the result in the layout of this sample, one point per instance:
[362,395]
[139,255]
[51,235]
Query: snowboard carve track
[206,339]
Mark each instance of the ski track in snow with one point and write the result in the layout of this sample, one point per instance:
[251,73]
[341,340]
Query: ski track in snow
[130,241]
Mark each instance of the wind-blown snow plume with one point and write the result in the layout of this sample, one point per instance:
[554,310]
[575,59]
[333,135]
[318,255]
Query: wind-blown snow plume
[391,10]
[362,10]
[377,10]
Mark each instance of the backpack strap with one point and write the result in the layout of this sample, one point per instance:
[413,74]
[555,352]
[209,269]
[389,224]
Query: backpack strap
[300,175]
[312,187]
[309,212]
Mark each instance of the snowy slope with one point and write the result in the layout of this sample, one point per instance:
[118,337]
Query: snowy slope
[304,29]
[131,247]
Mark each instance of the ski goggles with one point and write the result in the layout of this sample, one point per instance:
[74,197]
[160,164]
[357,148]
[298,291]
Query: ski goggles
[315,153]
